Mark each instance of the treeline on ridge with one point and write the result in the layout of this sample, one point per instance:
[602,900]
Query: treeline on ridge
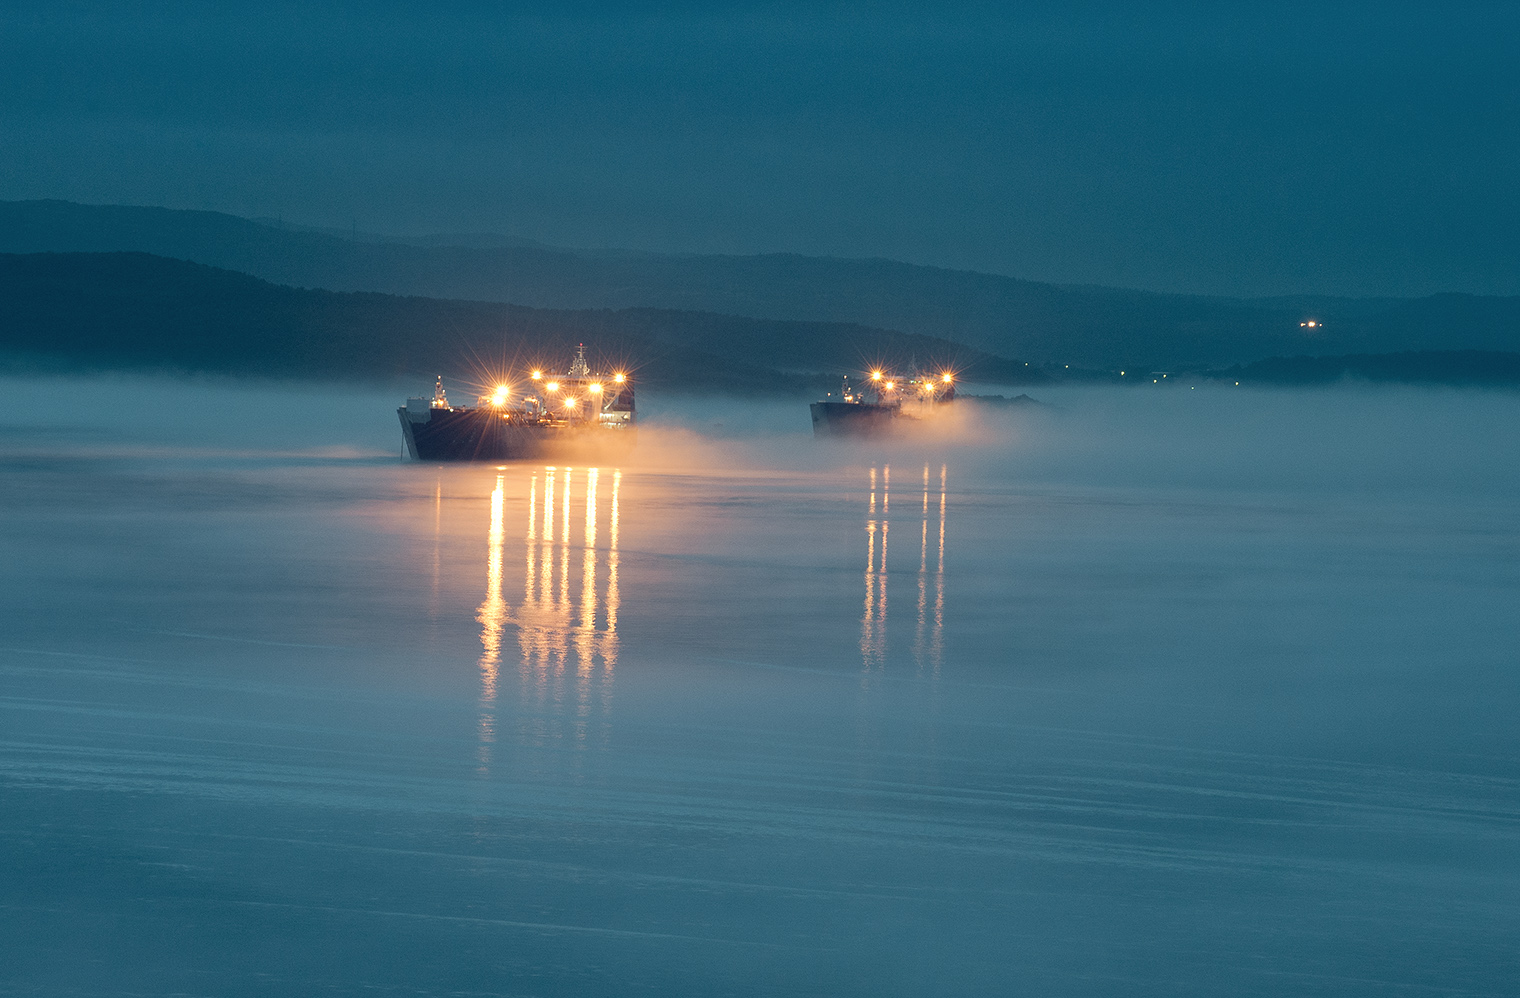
[139,310]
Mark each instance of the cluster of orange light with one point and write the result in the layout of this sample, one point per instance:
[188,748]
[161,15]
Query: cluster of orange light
[553,386]
[947,378]
[570,402]
[502,393]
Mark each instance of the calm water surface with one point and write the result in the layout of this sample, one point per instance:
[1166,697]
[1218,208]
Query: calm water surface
[1221,702]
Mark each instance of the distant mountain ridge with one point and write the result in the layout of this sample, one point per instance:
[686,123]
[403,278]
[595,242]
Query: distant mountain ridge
[1044,323]
[112,310]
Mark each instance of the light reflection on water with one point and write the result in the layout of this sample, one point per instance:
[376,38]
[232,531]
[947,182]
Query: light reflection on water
[566,622]
[1240,739]
[928,642]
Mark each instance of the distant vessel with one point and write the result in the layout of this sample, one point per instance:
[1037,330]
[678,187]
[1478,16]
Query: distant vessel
[582,414]
[877,406]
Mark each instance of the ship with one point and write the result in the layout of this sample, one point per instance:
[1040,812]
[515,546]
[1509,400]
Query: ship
[881,404]
[582,414]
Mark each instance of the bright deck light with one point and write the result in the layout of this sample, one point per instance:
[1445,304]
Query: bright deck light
[538,375]
[596,389]
[619,378]
[569,403]
[891,384]
[946,378]
[875,375]
[499,397]
[552,386]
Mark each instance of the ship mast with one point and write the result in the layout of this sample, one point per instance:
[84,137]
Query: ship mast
[579,368]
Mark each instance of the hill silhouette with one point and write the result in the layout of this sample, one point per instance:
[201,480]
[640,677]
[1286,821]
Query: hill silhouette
[139,310]
[1043,323]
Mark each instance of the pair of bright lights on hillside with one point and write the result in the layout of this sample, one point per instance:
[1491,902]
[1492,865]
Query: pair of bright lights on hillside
[502,393]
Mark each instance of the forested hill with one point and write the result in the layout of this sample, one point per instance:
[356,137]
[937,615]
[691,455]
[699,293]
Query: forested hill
[1043,323]
[138,310]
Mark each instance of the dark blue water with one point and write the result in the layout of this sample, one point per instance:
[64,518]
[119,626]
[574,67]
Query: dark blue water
[1149,695]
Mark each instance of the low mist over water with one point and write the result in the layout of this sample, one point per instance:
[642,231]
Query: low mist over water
[1186,690]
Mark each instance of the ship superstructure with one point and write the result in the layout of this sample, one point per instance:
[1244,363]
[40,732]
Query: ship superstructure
[873,405]
[582,413]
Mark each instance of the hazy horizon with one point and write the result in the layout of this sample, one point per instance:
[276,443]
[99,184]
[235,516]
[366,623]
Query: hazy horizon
[491,239]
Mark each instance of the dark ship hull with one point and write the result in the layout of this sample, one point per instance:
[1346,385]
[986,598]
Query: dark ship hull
[578,416]
[483,435]
[853,419]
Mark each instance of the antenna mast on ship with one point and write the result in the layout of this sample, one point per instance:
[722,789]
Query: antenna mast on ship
[579,368]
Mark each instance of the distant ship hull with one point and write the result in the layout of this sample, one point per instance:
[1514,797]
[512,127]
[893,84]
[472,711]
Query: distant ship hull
[483,435]
[853,419]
